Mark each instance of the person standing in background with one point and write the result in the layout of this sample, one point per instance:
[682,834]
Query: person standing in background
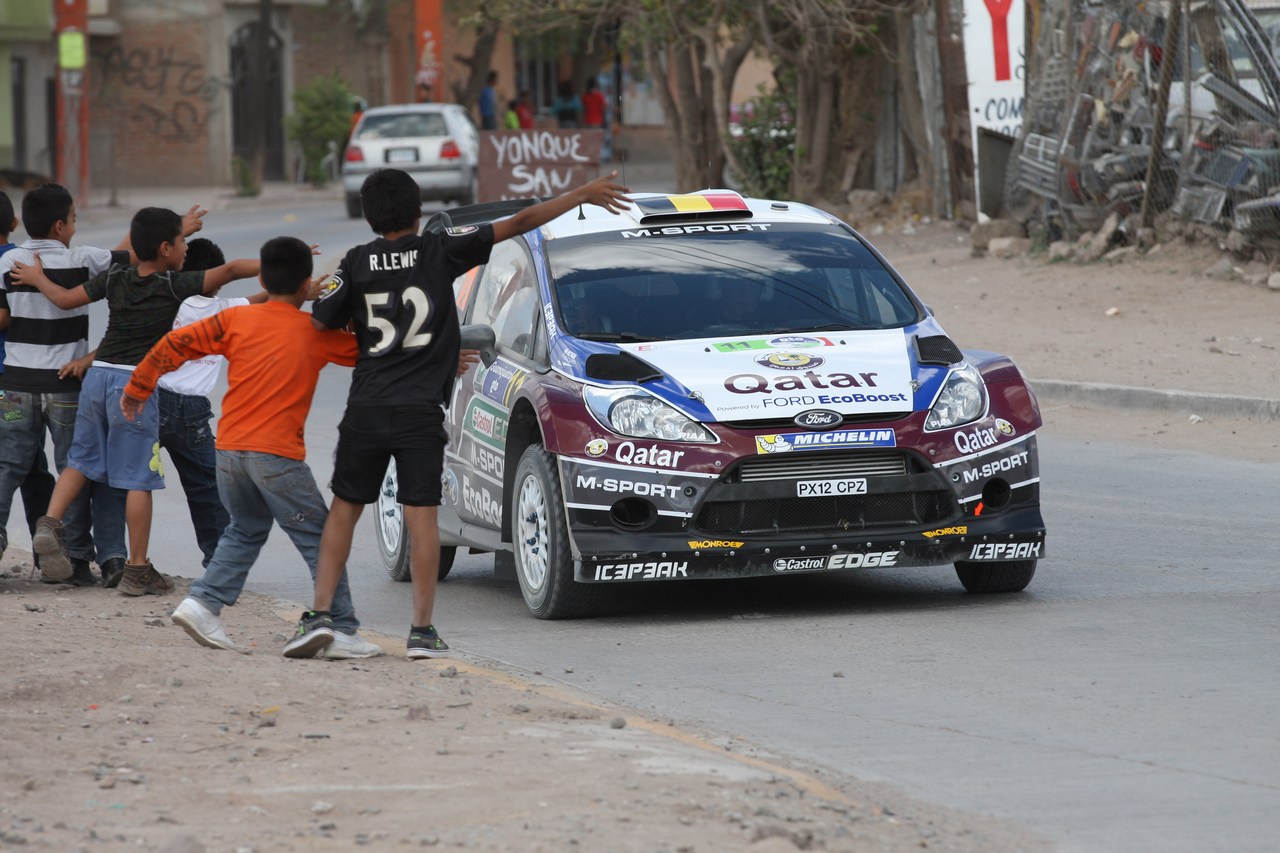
[489,103]
[568,106]
[593,106]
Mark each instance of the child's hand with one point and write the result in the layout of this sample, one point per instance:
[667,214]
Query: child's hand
[603,192]
[194,220]
[130,407]
[317,287]
[28,274]
[466,358]
[76,368]
[315,249]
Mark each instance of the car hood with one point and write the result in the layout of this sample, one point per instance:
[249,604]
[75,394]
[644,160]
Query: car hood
[769,377]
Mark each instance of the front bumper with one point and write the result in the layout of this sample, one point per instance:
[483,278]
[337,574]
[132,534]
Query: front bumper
[713,526]
[1018,535]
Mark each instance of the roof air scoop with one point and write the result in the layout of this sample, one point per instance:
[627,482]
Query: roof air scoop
[709,204]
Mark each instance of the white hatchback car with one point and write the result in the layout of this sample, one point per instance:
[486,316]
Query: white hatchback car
[437,144]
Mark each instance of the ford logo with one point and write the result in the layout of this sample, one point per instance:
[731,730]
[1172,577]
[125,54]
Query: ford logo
[818,419]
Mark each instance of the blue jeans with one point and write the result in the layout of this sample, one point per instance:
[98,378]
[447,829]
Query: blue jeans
[257,488]
[185,434]
[24,418]
[36,490]
[106,509]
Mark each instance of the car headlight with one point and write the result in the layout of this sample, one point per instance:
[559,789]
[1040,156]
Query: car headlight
[963,399]
[637,413]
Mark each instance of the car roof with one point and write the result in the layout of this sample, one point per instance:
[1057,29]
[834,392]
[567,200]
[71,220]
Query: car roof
[411,108]
[656,210]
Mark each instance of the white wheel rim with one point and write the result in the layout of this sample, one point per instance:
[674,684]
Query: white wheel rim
[532,534]
[390,513]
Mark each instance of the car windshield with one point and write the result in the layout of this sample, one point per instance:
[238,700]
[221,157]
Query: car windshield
[402,126]
[785,279]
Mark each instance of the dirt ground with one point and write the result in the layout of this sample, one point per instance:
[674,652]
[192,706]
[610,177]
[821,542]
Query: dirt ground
[122,734]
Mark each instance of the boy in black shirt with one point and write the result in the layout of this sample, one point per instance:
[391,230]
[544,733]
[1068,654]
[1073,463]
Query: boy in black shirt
[397,291]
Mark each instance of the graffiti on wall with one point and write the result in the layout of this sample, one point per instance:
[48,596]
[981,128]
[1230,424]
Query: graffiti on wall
[168,92]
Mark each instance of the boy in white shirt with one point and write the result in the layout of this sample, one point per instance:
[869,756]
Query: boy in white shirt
[185,411]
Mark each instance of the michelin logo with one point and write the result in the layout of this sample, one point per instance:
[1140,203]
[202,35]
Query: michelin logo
[787,442]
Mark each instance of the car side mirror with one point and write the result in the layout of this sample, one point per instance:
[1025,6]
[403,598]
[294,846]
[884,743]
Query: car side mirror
[480,337]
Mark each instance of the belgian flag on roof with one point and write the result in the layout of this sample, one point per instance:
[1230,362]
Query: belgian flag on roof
[723,201]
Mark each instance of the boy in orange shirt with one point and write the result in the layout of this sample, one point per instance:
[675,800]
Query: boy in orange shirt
[274,357]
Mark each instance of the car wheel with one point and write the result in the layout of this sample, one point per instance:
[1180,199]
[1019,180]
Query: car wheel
[353,206]
[1012,576]
[473,191]
[544,566]
[393,538]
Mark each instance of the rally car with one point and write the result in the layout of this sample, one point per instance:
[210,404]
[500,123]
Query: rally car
[710,386]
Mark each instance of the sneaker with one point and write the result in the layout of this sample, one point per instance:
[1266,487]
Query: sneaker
[81,574]
[349,646]
[201,624]
[426,644]
[47,543]
[112,571]
[315,633]
[144,580]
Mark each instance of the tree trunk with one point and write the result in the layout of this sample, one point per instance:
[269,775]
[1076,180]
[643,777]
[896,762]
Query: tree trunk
[802,179]
[724,71]
[911,107]
[478,64]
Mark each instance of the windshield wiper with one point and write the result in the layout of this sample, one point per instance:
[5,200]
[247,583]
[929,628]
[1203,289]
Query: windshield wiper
[829,327]
[617,337]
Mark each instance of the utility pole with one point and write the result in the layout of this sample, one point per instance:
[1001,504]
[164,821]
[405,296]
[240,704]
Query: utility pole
[71,160]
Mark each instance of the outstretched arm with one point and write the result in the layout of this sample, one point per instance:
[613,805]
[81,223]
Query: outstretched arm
[602,191]
[215,277]
[171,352]
[33,275]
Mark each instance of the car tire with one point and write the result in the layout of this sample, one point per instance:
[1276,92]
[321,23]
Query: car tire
[540,539]
[1012,576]
[473,191]
[353,206]
[393,538]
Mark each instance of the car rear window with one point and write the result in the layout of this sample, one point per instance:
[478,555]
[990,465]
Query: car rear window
[787,278]
[402,126]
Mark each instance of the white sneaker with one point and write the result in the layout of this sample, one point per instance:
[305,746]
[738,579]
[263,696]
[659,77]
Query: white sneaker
[349,646]
[203,626]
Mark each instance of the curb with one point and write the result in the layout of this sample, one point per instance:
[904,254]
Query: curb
[1123,397]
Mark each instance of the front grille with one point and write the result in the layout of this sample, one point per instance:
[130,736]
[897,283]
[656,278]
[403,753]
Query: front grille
[808,465]
[843,514]
[916,503]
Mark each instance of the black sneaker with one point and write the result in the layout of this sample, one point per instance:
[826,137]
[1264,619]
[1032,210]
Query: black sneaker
[314,634]
[426,644]
[81,574]
[112,571]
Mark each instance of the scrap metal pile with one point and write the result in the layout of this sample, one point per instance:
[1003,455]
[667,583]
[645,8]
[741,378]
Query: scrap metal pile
[1155,111]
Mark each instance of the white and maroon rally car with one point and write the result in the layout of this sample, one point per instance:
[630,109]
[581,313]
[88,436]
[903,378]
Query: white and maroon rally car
[707,386]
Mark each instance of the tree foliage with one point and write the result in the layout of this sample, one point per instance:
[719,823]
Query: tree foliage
[801,141]
[321,115]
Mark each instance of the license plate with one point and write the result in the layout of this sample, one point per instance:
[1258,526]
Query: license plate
[402,155]
[823,488]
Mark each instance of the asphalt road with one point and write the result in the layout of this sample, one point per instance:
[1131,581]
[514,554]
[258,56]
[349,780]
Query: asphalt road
[1127,701]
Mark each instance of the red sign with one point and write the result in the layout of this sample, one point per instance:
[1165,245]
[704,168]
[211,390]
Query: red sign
[537,163]
[999,10]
